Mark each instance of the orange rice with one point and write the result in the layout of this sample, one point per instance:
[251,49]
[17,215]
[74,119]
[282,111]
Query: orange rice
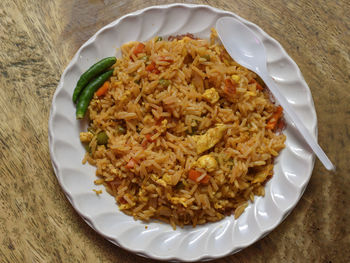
[168,105]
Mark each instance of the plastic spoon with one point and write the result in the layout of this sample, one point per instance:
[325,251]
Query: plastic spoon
[248,50]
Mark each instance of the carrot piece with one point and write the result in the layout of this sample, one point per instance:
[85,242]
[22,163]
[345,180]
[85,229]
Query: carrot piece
[258,86]
[194,174]
[103,90]
[271,124]
[131,164]
[149,137]
[139,48]
[230,87]
[205,180]
[144,143]
[279,109]
[151,66]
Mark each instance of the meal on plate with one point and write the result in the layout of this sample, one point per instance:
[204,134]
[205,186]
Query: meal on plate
[178,131]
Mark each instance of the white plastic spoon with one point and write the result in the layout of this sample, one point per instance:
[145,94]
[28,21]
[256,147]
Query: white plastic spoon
[248,50]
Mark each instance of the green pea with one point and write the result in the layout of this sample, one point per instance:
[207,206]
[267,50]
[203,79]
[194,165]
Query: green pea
[159,39]
[102,138]
[164,82]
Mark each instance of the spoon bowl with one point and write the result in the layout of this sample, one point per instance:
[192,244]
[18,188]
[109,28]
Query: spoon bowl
[248,50]
[245,47]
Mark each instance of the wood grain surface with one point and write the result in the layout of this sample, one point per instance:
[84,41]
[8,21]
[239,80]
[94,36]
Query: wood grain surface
[37,41]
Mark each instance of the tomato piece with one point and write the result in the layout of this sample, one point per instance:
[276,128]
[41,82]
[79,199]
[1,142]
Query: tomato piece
[194,175]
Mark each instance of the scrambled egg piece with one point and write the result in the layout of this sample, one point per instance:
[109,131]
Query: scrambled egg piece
[251,93]
[163,125]
[127,205]
[148,119]
[161,182]
[220,204]
[179,200]
[167,178]
[206,162]
[86,136]
[185,39]
[124,206]
[210,138]
[236,78]
[125,96]
[98,192]
[261,176]
[211,95]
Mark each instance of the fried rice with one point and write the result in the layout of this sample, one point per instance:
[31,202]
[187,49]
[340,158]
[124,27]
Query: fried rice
[189,132]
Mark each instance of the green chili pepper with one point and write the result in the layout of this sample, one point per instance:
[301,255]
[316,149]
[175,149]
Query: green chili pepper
[159,39]
[102,138]
[92,72]
[88,93]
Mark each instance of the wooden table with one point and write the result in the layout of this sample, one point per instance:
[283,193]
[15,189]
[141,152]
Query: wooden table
[37,41]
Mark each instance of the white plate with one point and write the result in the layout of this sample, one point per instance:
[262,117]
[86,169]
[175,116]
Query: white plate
[291,174]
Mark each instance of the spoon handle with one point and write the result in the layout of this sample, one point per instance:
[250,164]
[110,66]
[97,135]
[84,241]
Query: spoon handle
[309,139]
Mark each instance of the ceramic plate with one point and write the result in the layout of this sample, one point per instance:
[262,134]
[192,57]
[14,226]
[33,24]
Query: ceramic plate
[291,174]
